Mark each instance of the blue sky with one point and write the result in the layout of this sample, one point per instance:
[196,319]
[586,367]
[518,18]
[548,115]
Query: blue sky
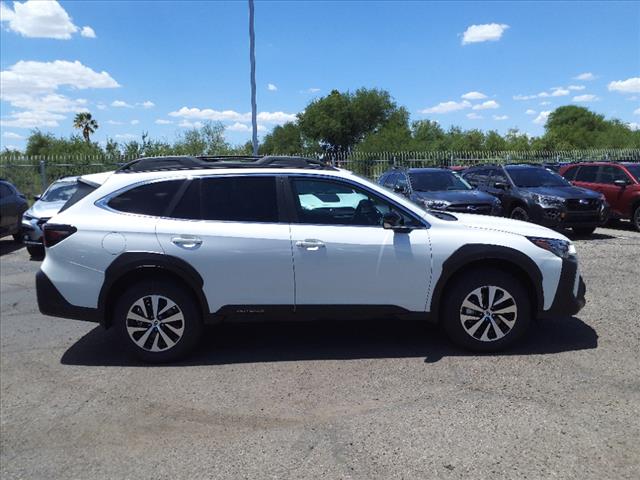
[164,66]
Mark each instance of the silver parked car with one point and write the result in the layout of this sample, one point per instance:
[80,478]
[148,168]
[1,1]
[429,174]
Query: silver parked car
[45,207]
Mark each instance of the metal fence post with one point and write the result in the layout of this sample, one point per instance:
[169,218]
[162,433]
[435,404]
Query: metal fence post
[43,174]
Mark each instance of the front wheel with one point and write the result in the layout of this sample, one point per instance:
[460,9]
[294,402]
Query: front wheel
[158,321]
[520,213]
[635,220]
[486,310]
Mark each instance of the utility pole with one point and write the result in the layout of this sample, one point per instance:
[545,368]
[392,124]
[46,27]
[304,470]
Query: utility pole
[252,55]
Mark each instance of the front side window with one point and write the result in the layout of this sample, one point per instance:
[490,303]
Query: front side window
[634,170]
[326,202]
[149,199]
[609,174]
[587,173]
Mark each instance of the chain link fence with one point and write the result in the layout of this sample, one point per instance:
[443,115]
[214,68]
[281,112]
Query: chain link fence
[32,174]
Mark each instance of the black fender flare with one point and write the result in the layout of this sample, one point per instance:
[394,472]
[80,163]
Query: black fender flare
[477,252]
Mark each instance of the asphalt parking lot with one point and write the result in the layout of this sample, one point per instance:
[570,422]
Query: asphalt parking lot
[362,400]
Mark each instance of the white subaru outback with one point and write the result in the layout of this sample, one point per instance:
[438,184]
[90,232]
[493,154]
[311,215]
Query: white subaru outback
[165,245]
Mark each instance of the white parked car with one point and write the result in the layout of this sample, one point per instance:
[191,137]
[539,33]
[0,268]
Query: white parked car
[45,207]
[165,245]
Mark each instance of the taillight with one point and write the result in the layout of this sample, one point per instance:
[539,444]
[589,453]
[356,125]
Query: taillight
[54,234]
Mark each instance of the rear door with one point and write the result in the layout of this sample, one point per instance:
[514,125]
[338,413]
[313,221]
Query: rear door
[344,257]
[229,229]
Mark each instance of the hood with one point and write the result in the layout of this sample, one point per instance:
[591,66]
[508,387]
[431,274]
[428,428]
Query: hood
[456,196]
[563,192]
[42,209]
[507,225]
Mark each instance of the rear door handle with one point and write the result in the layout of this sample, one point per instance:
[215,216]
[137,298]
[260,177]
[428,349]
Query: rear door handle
[187,241]
[311,245]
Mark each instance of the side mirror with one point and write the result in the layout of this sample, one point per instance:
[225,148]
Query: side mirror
[391,220]
[36,197]
[501,186]
[620,183]
[400,189]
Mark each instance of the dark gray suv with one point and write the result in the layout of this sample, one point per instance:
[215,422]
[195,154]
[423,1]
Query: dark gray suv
[12,205]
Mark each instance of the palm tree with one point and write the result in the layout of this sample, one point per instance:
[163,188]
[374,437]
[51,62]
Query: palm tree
[85,122]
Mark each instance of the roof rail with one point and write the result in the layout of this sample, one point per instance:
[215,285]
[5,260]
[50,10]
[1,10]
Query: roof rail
[152,164]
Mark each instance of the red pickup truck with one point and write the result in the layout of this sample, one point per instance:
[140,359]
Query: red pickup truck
[619,182]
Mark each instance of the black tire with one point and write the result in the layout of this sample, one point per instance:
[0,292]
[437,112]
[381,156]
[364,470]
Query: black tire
[36,251]
[583,231]
[519,213]
[191,323]
[476,335]
[635,219]
[17,238]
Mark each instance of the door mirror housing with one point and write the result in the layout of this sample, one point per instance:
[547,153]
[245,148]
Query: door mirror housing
[501,186]
[393,221]
[36,197]
[620,183]
[400,189]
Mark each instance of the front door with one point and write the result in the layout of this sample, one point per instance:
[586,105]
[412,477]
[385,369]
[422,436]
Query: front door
[342,254]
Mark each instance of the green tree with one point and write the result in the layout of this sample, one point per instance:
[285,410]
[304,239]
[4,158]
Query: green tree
[84,122]
[284,139]
[206,140]
[393,136]
[340,121]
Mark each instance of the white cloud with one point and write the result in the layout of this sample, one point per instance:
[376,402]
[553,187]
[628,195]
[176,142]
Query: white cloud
[474,96]
[32,119]
[162,121]
[632,98]
[634,126]
[241,127]
[474,116]
[585,98]
[135,122]
[524,97]
[125,136]
[545,103]
[114,122]
[101,106]
[447,107]
[88,32]
[188,124]
[146,104]
[585,77]
[488,105]
[312,90]
[12,136]
[483,33]
[555,92]
[231,115]
[541,119]
[576,87]
[121,104]
[500,117]
[560,92]
[271,87]
[41,19]
[51,102]
[636,111]
[530,112]
[630,85]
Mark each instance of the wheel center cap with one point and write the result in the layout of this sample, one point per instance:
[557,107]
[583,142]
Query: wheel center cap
[155,323]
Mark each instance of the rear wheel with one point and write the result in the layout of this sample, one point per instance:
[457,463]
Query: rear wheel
[520,213]
[17,238]
[486,310]
[635,220]
[158,321]
[36,251]
[584,231]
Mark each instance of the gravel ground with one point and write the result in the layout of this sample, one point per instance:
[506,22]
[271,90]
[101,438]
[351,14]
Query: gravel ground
[328,401]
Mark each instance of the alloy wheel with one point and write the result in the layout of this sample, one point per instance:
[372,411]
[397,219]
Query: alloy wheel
[520,213]
[155,323]
[488,313]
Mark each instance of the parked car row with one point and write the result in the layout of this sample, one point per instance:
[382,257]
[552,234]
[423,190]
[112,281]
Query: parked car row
[581,196]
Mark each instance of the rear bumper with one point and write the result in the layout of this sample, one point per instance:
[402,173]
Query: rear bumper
[570,295]
[52,303]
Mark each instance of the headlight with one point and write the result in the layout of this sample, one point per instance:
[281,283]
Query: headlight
[561,248]
[436,204]
[28,217]
[547,200]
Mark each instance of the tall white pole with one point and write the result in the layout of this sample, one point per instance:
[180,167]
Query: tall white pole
[252,55]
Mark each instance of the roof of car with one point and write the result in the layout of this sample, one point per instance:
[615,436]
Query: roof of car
[428,169]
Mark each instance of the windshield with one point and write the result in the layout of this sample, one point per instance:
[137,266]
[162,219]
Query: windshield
[433,181]
[536,177]
[59,192]
[634,170]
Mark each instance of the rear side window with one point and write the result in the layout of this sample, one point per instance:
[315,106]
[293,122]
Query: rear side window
[570,174]
[83,189]
[587,173]
[149,199]
[233,199]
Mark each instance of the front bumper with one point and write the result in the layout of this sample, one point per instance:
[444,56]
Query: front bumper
[31,230]
[554,217]
[52,303]
[570,294]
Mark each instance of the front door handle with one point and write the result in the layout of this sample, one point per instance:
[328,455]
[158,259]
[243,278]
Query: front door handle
[187,241]
[311,245]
